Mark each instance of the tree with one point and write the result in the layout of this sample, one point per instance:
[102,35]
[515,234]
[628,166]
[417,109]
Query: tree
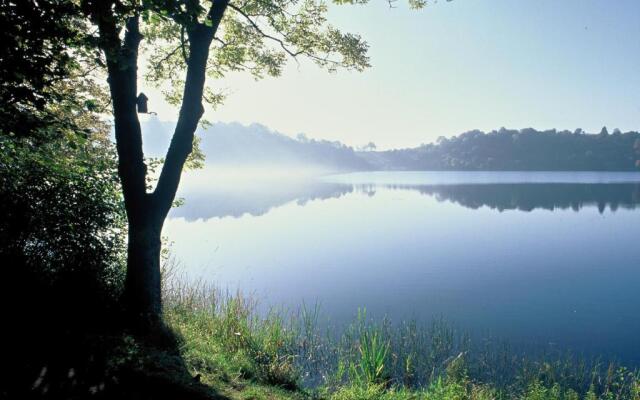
[61,235]
[369,147]
[35,62]
[205,38]
[604,131]
[59,191]
[63,222]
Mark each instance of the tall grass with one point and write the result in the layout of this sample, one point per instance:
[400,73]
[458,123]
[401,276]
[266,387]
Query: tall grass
[368,366]
[224,338]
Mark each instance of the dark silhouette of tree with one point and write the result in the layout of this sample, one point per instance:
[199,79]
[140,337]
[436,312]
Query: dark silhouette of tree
[604,131]
[59,192]
[369,147]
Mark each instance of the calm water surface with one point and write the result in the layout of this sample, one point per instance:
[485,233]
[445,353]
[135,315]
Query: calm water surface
[549,258]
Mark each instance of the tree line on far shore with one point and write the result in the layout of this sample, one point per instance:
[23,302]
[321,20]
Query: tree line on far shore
[519,150]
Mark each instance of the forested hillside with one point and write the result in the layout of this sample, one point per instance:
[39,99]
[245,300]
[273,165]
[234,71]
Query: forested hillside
[518,150]
[237,145]
[234,144]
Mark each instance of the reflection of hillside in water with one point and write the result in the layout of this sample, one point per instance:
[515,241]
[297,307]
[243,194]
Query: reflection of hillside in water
[259,197]
[255,199]
[530,196]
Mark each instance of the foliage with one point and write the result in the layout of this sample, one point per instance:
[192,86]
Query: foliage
[516,150]
[63,222]
[45,52]
[256,37]
[61,209]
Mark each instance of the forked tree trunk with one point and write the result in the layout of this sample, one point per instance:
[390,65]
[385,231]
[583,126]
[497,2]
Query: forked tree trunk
[146,212]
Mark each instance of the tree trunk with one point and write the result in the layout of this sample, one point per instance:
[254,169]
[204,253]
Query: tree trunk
[146,211]
[142,293]
[142,290]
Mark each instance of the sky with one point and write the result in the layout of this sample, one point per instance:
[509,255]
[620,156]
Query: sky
[453,67]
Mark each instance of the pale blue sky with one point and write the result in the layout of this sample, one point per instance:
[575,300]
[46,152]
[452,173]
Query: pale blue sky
[456,66]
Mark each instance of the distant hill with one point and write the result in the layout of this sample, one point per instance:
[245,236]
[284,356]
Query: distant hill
[518,150]
[236,145]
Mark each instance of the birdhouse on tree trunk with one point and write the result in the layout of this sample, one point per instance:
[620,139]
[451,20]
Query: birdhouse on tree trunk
[142,103]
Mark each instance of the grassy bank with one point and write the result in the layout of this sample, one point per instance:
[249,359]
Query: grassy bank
[228,346]
[215,345]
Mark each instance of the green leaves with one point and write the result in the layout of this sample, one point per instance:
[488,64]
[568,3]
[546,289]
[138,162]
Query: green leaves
[255,36]
[91,105]
[61,205]
[417,4]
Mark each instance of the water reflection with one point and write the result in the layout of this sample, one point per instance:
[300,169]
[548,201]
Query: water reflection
[253,198]
[528,197]
[257,197]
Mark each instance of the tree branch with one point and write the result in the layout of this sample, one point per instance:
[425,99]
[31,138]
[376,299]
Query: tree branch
[282,43]
[122,58]
[200,37]
[124,87]
[168,56]
[264,34]
[122,68]
[182,45]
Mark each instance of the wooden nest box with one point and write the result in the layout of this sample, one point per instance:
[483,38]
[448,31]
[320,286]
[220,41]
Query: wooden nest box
[142,101]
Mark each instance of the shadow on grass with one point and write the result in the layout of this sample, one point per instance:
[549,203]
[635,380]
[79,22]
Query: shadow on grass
[67,341]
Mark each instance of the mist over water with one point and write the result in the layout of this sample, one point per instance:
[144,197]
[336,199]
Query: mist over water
[549,258]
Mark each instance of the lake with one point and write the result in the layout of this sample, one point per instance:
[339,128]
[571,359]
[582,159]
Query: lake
[548,258]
